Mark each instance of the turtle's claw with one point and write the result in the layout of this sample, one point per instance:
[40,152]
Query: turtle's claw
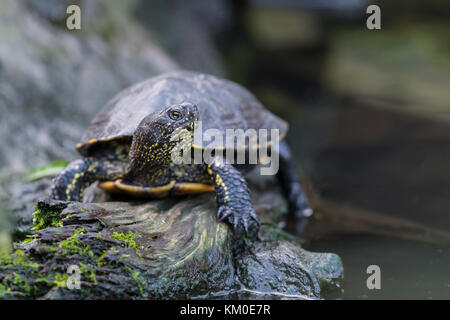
[246,226]
[223,213]
[240,217]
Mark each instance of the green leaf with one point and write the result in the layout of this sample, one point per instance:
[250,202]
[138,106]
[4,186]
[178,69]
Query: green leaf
[48,170]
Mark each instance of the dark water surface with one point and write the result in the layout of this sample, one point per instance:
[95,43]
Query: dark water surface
[396,166]
[409,270]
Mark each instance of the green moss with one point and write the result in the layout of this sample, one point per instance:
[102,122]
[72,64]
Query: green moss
[128,240]
[99,260]
[29,238]
[15,283]
[54,279]
[88,271]
[4,290]
[60,280]
[140,283]
[103,255]
[73,245]
[20,282]
[124,256]
[20,276]
[18,258]
[46,218]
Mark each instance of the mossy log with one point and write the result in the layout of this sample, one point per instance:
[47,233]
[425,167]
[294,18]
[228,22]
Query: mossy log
[162,249]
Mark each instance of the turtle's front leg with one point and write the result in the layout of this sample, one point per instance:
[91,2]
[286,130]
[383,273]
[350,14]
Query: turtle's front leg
[232,196]
[79,174]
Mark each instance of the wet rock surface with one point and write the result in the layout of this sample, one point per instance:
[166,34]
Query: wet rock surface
[163,249]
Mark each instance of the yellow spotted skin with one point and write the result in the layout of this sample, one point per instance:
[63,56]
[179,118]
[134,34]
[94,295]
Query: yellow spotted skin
[72,185]
[221,184]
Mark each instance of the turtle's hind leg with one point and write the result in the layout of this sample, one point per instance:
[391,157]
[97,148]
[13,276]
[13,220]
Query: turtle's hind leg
[290,183]
[69,185]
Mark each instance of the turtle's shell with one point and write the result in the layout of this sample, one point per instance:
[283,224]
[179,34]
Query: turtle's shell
[222,105]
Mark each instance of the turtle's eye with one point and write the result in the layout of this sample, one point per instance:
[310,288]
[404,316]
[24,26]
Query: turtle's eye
[175,114]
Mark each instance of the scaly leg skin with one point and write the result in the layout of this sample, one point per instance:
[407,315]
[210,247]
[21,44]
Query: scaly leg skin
[290,183]
[79,174]
[233,199]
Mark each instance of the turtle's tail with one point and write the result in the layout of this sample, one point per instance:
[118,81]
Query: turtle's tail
[72,181]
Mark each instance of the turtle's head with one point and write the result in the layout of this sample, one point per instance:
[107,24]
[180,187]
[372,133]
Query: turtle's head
[160,133]
[169,120]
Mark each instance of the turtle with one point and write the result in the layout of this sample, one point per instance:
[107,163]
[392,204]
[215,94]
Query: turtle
[128,146]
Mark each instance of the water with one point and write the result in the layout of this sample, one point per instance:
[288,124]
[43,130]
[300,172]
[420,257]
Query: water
[409,270]
[385,175]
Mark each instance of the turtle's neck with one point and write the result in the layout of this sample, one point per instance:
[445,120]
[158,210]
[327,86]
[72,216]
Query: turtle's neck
[149,160]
